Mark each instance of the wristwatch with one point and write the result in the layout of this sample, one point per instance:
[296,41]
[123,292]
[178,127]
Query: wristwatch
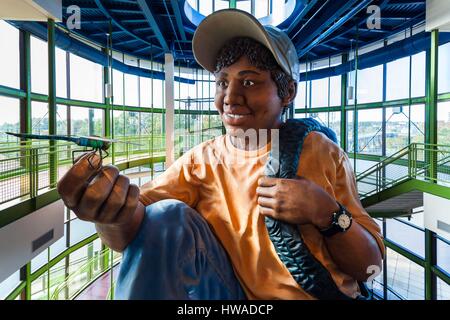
[341,222]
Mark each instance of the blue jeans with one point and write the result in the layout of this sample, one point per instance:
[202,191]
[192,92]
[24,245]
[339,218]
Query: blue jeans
[176,256]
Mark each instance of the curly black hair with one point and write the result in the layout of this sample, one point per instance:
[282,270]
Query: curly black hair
[259,56]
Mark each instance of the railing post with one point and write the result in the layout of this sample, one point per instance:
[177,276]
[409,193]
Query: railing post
[53,156]
[431,105]
[430,261]
[410,148]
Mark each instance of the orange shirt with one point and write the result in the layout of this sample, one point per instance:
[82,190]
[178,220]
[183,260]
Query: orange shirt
[220,181]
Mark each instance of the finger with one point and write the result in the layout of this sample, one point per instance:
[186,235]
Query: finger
[130,205]
[72,185]
[267,181]
[84,154]
[267,211]
[267,202]
[115,200]
[97,192]
[266,191]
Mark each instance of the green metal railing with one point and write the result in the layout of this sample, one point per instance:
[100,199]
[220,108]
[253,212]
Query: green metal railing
[26,167]
[428,162]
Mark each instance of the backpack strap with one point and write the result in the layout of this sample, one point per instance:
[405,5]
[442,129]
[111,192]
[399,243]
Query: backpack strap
[283,162]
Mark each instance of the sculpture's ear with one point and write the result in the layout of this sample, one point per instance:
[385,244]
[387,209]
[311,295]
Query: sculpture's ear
[292,93]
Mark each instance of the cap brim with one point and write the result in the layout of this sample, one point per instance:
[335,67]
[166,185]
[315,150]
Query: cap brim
[220,27]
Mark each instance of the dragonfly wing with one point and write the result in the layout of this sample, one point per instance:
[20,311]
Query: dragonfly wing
[110,140]
[43,136]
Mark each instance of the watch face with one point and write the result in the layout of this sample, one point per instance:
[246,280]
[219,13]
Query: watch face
[344,221]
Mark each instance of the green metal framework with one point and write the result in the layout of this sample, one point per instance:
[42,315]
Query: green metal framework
[48,158]
[427,165]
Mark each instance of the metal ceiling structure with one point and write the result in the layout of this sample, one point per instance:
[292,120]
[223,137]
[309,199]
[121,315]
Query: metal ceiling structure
[318,28]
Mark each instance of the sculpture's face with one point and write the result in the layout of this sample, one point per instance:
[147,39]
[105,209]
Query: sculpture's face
[247,98]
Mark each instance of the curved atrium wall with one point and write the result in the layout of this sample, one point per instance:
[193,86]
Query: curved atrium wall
[375,112]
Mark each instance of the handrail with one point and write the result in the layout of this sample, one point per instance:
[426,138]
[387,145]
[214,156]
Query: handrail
[429,162]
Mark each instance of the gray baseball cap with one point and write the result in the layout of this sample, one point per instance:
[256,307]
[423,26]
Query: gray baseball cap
[223,25]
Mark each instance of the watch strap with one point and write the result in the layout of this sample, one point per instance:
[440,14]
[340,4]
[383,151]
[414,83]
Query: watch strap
[335,227]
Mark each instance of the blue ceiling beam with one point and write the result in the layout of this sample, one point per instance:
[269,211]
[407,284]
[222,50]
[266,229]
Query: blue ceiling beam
[301,15]
[142,29]
[121,43]
[176,10]
[363,21]
[319,20]
[152,22]
[329,46]
[134,20]
[362,4]
[125,11]
[142,49]
[408,3]
[117,23]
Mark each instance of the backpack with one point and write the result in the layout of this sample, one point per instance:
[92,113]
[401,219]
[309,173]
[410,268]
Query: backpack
[283,162]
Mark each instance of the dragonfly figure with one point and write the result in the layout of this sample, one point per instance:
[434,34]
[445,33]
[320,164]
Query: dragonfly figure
[96,143]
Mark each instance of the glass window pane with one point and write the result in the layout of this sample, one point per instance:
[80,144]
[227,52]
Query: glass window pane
[369,131]
[80,230]
[444,67]
[443,255]
[406,236]
[243,5]
[224,4]
[39,117]
[39,261]
[119,123]
[158,93]
[61,72]
[366,185]
[78,275]
[9,122]
[319,94]
[350,132]
[300,115]
[416,218]
[404,276]
[443,290]
[132,123]
[61,119]
[370,85]
[58,246]
[417,124]
[300,98]
[9,284]
[261,8]
[86,79]
[145,86]
[397,79]
[334,123]
[57,279]
[205,7]
[117,87]
[9,56]
[131,90]
[397,121]
[335,91]
[79,117]
[39,288]
[86,122]
[39,66]
[418,75]
[444,123]
[321,117]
